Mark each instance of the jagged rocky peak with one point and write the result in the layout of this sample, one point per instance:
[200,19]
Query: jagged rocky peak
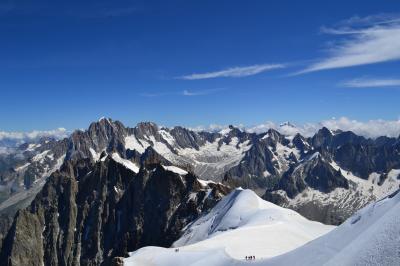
[315,172]
[103,122]
[232,130]
[274,134]
[301,143]
[323,177]
[322,138]
[324,131]
[272,137]
[146,129]
[234,133]
[151,157]
[104,134]
[185,138]
[88,213]
[287,124]
[106,128]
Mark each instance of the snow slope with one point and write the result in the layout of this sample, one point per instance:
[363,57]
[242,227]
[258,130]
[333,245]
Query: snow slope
[175,169]
[370,237]
[128,164]
[241,224]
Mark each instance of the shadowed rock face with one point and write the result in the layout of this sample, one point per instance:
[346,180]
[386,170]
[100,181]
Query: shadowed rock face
[88,213]
[315,173]
[105,135]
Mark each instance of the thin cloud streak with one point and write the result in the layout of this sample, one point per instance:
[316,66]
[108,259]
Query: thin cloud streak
[370,83]
[186,93]
[203,92]
[150,95]
[369,40]
[234,72]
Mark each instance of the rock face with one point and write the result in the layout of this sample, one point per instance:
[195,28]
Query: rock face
[313,172]
[90,213]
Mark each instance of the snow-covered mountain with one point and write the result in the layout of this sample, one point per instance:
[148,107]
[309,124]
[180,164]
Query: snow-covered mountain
[243,225]
[325,177]
[249,215]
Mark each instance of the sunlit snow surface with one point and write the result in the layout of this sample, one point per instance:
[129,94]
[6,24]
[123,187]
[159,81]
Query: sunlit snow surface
[241,224]
[175,169]
[128,164]
[370,237]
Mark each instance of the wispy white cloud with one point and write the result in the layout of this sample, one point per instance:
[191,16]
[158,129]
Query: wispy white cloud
[369,129]
[183,93]
[370,83]
[201,92]
[234,72]
[362,41]
[13,139]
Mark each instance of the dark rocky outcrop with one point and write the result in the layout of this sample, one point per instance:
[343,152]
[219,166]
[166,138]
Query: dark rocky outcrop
[314,172]
[251,172]
[91,213]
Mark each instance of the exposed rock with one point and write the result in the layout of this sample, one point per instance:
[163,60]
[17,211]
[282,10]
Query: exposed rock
[90,213]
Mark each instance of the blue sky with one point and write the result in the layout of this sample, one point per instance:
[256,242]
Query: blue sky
[67,63]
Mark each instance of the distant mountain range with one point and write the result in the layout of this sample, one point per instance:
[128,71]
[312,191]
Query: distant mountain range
[103,192]
[325,177]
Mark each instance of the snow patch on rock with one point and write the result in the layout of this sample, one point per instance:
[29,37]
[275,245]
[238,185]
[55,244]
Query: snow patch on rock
[128,164]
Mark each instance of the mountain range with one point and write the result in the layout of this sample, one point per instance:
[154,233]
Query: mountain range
[325,177]
[100,193]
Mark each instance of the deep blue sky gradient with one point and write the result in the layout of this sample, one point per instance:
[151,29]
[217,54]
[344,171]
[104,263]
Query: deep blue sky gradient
[67,63]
